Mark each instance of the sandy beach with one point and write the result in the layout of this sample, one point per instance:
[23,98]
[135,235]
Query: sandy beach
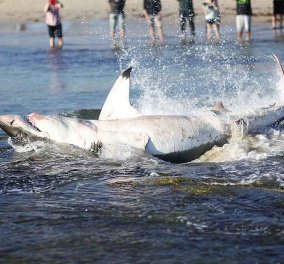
[18,11]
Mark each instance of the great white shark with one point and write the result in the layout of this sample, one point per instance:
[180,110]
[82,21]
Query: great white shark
[169,137]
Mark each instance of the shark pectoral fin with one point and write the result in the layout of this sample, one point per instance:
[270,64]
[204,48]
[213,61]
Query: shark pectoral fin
[219,108]
[276,59]
[117,105]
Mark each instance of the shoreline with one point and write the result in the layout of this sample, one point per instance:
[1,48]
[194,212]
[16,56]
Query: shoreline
[168,20]
[19,12]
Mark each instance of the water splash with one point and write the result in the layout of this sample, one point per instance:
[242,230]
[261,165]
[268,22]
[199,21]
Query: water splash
[174,80]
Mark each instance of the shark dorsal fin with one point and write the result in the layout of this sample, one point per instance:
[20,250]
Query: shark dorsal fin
[219,108]
[117,105]
[279,66]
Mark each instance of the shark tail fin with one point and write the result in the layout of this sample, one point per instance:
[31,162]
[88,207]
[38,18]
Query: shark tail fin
[117,105]
[276,59]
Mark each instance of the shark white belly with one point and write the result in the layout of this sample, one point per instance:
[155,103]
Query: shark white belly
[174,138]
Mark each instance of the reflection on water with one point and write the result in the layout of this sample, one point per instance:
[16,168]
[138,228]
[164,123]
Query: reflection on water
[55,62]
[60,202]
[278,35]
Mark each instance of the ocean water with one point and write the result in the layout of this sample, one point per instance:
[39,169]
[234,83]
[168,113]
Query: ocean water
[60,204]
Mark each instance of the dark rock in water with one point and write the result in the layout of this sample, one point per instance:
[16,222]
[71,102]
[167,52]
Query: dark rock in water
[21,27]
[92,114]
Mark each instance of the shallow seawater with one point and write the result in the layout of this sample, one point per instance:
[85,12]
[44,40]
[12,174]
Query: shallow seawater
[61,204]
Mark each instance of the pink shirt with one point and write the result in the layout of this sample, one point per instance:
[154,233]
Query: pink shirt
[53,16]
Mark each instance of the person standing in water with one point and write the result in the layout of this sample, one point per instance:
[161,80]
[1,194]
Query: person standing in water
[186,13]
[243,19]
[53,20]
[116,19]
[153,13]
[278,11]
[212,18]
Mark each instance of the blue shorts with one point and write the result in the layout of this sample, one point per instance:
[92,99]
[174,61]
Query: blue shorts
[116,20]
[155,20]
[215,21]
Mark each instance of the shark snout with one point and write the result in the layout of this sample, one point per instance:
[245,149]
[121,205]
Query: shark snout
[10,130]
[7,124]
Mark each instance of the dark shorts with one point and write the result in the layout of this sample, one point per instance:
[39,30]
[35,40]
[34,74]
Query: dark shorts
[278,7]
[55,31]
[186,13]
[213,21]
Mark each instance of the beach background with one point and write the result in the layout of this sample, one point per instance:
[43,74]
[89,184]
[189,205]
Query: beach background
[18,11]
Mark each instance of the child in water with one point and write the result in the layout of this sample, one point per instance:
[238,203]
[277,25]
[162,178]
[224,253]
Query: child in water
[116,19]
[212,19]
[152,10]
[52,12]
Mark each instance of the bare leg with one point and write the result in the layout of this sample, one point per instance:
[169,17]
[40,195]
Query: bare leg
[51,42]
[281,21]
[60,43]
[112,25]
[208,30]
[112,34]
[274,22]
[161,35]
[152,35]
[122,36]
[248,36]
[159,25]
[121,25]
[217,31]
[240,36]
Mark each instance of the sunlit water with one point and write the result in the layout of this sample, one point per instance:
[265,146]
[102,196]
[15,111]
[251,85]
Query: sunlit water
[60,204]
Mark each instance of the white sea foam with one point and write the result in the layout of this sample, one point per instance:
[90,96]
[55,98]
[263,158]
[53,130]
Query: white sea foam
[26,146]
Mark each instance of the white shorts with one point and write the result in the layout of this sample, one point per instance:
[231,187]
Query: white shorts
[116,20]
[243,23]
